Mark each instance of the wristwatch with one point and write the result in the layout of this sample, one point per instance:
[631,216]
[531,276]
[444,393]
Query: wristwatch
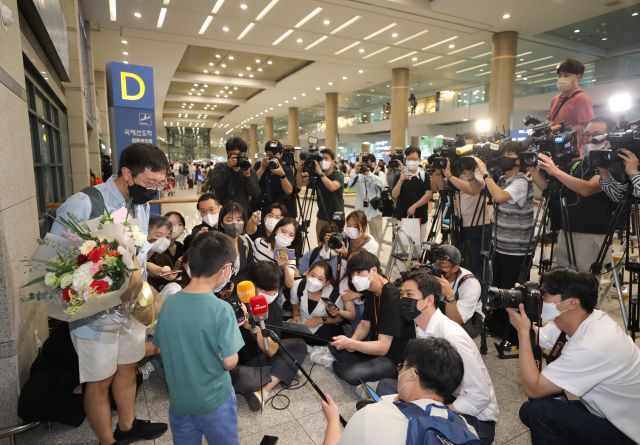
[485,176]
[450,300]
[322,175]
[283,176]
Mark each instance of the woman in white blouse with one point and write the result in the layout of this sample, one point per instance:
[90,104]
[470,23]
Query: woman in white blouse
[313,304]
[285,236]
[357,237]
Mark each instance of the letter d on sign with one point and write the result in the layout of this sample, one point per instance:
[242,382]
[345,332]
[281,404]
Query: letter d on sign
[123,85]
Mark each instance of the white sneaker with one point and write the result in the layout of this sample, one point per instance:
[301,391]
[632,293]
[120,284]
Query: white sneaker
[322,356]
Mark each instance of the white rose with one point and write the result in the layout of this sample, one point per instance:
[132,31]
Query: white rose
[139,238]
[87,246]
[82,277]
[66,280]
[50,279]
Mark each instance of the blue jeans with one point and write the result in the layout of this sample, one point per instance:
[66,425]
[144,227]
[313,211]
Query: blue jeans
[220,426]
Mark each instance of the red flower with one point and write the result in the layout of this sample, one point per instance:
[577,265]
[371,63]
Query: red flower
[100,286]
[66,294]
[95,255]
[81,259]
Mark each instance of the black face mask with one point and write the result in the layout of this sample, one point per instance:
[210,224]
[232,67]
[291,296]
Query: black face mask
[409,309]
[140,194]
[507,164]
[233,229]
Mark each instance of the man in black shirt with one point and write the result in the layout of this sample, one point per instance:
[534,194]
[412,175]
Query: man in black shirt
[378,343]
[589,209]
[412,190]
[260,370]
[233,182]
[276,181]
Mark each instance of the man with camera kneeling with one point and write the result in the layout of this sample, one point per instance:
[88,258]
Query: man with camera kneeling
[599,363]
[369,182]
[475,398]
[235,180]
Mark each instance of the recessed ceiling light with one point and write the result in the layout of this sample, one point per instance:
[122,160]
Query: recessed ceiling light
[317,88]
[394,35]
[299,40]
[235,88]
[223,65]
[243,6]
[260,69]
[205,71]
[124,53]
[360,71]
[231,57]
[506,16]
[124,42]
[303,94]
[225,28]
[521,59]
[258,60]
[218,56]
[576,31]
[137,15]
[241,75]
[125,62]
[217,72]
[344,77]
[635,14]
[361,50]
[210,63]
[414,59]
[286,101]
[452,45]
[330,83]
[295,98]
[269,62]
[603,39]
[326,22]
[248,68]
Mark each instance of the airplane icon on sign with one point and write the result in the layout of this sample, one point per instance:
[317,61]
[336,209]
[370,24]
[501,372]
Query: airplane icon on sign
[144,118]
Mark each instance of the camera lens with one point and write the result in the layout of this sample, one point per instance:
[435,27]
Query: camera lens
[335,241]
[273,164]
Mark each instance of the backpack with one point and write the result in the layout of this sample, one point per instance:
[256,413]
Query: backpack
[303,284]
[97,208]
[429,427]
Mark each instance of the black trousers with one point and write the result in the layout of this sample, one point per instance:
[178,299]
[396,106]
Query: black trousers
[561,422]
[473,248]
[355,366]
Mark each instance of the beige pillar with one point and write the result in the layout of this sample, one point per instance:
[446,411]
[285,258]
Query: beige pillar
[503,67]
[331,120]
[93,131]
[399,114]
[415,141]
[268,128]
[102,108]
[245,134]
[293,127]
[253,141]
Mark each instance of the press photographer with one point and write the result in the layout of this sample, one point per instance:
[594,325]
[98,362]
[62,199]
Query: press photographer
[599,363]
[235,180]
[276,176]
[412,190]
[610,156]
[588,209]
[369,182]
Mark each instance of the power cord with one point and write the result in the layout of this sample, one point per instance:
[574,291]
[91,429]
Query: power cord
[295,384]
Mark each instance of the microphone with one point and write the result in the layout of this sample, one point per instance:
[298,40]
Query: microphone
[260,312]
[464,150]
[246,291]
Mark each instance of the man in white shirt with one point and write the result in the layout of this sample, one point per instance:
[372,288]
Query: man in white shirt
[599,363]
[369,182]
[430,373]
[460,290]
[475,399]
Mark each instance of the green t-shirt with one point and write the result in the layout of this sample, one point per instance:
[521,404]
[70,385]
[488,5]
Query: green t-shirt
[333,201]
[195,332]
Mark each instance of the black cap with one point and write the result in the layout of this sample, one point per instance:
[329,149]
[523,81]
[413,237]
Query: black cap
[273,145]
[448,252]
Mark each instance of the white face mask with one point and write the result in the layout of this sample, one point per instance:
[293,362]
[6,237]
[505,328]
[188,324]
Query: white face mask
[159,246]
[283,241]
[270,223]
[325,165]
[313,284]
[211,220]
[550,311]
[361,283]
[412,165]
[270,298]
[325,253]
[224,283]
[352,232]
[564,84]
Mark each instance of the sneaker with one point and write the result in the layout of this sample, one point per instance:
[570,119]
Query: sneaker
[322,356]
[255,400]
[141,430]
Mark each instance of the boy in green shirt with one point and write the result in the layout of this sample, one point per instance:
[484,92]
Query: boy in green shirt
[198,338]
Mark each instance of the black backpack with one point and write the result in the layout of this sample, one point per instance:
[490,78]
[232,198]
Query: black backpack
[98,208]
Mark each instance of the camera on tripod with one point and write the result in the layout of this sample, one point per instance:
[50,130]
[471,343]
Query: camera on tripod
[608,157]
[384,202]
[460,157]
[397,158]
[243,161]
[559,142]
[529,294]
[310,156]
[287,158]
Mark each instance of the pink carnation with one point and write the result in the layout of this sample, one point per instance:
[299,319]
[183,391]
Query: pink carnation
[95,267]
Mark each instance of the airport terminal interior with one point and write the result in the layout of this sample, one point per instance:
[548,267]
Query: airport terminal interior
[81,80]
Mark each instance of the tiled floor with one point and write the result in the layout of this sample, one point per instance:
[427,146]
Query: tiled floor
[302,422]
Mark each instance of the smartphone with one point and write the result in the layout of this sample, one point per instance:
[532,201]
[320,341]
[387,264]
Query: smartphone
[258,215]
[328,303]
[405,171]
[281,253]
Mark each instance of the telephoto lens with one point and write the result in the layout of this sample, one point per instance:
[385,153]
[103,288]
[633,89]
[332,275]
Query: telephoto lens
[273,163]
[335,240]
[529,294]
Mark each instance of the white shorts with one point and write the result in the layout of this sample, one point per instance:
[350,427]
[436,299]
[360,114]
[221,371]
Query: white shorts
[119,344]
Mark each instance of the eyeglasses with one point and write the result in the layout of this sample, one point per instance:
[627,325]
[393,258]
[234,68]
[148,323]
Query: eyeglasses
[400,367]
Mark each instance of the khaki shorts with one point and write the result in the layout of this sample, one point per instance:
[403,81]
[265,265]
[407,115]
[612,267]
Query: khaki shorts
[119,344]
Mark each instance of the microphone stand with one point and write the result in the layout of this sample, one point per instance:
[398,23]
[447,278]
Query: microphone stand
[274,337]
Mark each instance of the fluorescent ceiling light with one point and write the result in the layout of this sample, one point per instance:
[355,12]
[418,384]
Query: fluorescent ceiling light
[418,34]
[427,61]
[217,6]
[345,24]
[525,54]
[112,10]
[535,75]
[376,52]
[547,66]
[309,16]
[347,48]
[433,45]
[320,40]
[534,61]
[466,48]
[206,24]
[543,80]
[471,68]
[449,64]
[163,13]
[380,31]
[484,74]
[282,37]
[266,9]
[246,31]
[481,55]
[402,57]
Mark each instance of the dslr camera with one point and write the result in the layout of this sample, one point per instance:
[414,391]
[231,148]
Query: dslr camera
[243,161]
[335,240]
[384,202]
[396,158]
[529,294]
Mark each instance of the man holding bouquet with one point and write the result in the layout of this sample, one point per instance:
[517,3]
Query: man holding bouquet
[110,345]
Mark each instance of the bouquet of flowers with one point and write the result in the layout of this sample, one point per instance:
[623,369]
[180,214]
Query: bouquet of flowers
[89,268]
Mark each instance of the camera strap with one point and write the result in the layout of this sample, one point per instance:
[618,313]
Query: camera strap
[556,350]
[563,100]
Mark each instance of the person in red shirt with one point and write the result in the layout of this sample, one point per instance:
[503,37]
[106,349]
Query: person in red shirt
[572,106]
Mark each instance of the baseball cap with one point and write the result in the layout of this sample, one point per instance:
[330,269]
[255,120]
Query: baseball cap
[273,145]
[448,252]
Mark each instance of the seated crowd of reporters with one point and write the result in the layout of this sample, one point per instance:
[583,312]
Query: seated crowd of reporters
[368,329]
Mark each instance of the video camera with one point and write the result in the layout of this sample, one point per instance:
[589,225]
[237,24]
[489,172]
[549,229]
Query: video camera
[311,156]
[460,155]
[529,294]
[608,157]
[384,202]
[559,142]
[397,158]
